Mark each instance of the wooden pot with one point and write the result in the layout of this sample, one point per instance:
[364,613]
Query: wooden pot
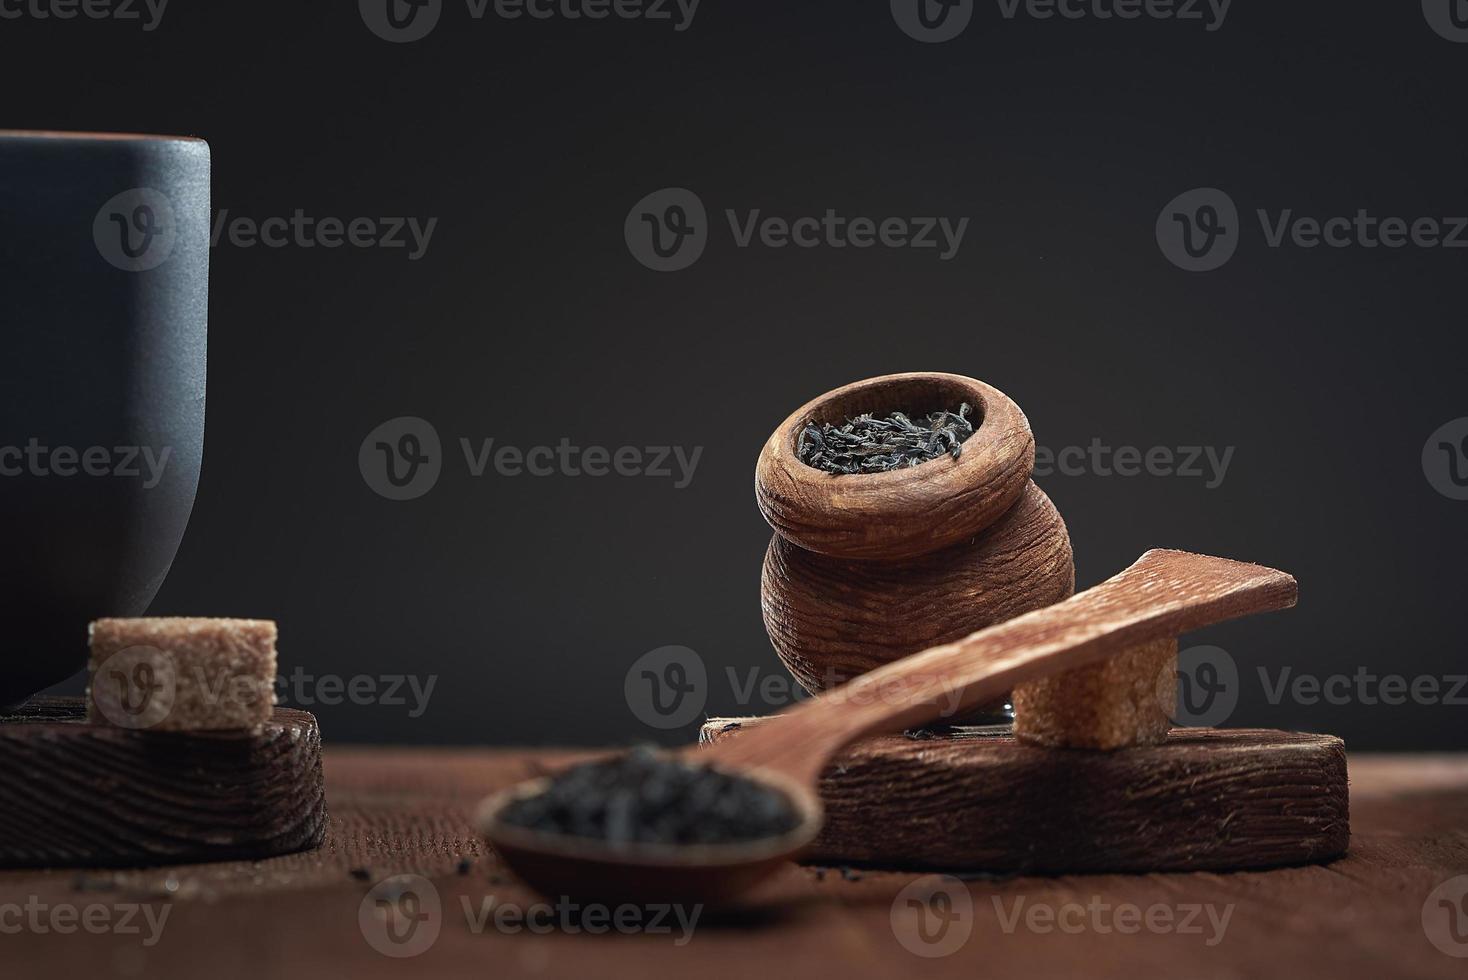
[866,568]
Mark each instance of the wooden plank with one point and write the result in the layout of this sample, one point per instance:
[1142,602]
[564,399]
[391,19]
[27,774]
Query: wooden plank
[85,795]
[976,799]
[408,810]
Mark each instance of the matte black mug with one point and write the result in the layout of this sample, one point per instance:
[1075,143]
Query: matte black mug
[104,279]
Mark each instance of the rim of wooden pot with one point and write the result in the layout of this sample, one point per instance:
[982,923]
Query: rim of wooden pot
[905,512]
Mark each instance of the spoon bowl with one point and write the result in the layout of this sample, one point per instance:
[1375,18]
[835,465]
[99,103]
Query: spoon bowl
[688,874]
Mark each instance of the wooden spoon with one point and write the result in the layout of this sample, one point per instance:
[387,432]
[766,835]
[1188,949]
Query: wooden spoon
[1162,594]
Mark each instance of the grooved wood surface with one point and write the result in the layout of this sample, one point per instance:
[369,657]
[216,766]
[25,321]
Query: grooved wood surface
[79,794]
[972,798]
[401,810]
[831,619]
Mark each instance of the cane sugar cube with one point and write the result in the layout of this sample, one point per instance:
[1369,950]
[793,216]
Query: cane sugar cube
[1127,699]
[181,674]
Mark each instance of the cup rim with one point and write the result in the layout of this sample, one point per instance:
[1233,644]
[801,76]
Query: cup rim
[83,136]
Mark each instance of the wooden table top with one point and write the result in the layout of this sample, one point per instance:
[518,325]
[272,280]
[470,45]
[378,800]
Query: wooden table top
[1374,913]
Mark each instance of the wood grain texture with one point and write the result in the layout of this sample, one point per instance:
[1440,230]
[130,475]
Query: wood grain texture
[400,810]
[906,512]
[1162,594]
[864,569]
[977,799]
[831,619]
[77,794]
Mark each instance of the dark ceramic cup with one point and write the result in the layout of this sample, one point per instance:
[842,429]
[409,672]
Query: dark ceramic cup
[104,273]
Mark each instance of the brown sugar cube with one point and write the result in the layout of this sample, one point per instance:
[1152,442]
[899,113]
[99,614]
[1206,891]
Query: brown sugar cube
[1124,700]
[181,674]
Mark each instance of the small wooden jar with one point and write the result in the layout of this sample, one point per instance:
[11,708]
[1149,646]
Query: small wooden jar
[866,568]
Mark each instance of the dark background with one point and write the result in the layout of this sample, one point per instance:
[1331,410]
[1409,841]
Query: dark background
[528,320]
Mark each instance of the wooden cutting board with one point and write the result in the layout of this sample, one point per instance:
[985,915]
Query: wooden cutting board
[80,795]
[975,799]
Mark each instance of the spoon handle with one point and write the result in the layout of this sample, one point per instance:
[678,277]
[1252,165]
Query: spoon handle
[1162,594]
